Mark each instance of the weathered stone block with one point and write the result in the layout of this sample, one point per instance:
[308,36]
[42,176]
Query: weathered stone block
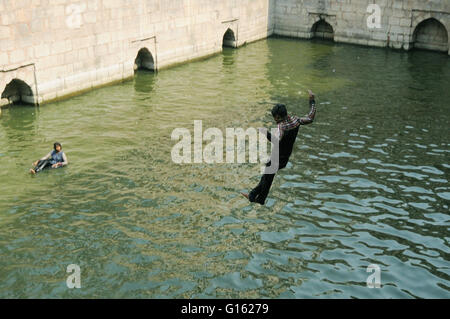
[42,50]
[58,47]
[405,22]
[4,59]
[5,32]
[17,56]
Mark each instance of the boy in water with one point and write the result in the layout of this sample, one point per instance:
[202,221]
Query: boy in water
[54,159]
[288,127]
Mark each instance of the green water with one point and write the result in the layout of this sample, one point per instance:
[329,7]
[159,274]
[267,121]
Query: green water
[367,182]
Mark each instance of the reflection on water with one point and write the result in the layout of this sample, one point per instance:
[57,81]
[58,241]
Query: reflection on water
[367,182]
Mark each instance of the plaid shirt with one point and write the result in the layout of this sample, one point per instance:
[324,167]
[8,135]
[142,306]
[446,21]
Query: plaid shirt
[290,123]
[294,121]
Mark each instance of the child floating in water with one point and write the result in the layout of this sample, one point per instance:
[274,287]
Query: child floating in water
[287,132]
[54,159]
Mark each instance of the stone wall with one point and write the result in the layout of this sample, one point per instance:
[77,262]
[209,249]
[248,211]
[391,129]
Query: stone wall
[53,48]
[59,47]
[399,20]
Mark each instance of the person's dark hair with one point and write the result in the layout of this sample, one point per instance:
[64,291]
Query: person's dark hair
[279,110]
[57,144]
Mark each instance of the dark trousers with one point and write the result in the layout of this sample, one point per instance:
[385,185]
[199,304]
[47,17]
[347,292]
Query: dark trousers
[260,192]
[42,165]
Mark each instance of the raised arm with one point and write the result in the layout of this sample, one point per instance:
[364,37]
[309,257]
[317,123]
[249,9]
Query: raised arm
[308,119]
[65,160]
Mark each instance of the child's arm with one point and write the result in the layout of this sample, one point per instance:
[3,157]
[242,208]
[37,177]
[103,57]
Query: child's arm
[46,157]
[66,161]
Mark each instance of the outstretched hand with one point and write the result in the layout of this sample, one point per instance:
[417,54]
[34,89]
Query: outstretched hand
[311,94]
